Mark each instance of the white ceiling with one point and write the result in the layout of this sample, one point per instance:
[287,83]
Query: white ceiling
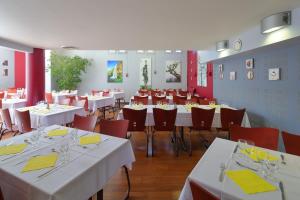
[131,24]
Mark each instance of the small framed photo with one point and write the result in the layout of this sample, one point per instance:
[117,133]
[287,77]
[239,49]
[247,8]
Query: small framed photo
[274,74]
[221,76]
[5,72]
[232,76]
[220,68]
[249,63]
[5,63]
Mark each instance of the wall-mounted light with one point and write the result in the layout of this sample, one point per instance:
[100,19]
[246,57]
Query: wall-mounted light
[275,22]
[168,51]
[140,51]
[122,51]
[150,51]
[178,51]
[222,45]
[67,47]
[111,51]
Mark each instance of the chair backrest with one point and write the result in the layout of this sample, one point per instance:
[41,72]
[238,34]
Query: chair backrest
[116,128]
[6,119]
[95,92]
[202,118]
[183,93]
[1,195]
[87,123]
[72,99]
[11,90]
[230,117]
[164,120]
[0,103]
[142,100]
[171,93]
[65,101]
[291,143]
[86,103]
[79,103]
[200,193]
[204,101]
[23,121]
[137,118]
[49,97]
[179,100]
[156,99]
[155,92]
[262,137]
[105,93]
[194,99]
[2,95]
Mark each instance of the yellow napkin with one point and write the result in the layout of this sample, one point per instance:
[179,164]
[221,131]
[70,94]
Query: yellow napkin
[58,132]
[40,162]
[165,107]
[93,139]
[189,107]
[12,149]
[66,106]
[137,107]
[257,154]
[249,181]
[214,106]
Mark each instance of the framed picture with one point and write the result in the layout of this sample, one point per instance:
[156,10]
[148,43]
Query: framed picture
[5,72]
[220,68]
[145,72]
[274,74]
[249,63]
[250,75]
[114,71]
[232,76]
[173,71]
[5,63]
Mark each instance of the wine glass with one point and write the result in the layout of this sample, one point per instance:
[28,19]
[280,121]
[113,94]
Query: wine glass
[74,135]
[64,150]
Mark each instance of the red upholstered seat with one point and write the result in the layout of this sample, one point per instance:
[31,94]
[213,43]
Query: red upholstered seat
[291,143]
[262,137]
[23,121]
[86,104]
[141,99]
[156,99]
[179,100]
[116,128]
[230,117]
[87,123]
[199,193]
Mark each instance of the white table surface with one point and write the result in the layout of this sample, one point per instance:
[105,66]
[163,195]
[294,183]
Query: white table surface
[58,96]
[13,104]
[184,117]
[86,173]
[118,94]
[96,102]
[169,98]
[58,114]
[206,173]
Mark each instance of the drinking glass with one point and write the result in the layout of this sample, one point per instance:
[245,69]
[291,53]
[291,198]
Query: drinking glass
[242,144]
[74,136]
[34,138]
[64,150]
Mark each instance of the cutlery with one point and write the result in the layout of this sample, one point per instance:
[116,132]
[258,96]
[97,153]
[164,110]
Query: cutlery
[242,165]
[50,171]
[221,176]
[282,159]
[282,190]
[27,142]
[52,150]
[235,149]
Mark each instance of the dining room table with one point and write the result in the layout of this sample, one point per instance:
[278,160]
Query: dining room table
[59,96]
[13,104]
[229,173]
[41,115]
[74,164]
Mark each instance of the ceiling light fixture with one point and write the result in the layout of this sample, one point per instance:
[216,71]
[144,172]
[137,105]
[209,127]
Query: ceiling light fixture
[112,51]
[178,51]
[222,45]
[68,47]
[122,51]
[150,51]
[140,51]
[168,51]
[275,22]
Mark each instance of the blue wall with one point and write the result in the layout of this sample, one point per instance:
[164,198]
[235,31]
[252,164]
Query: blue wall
[268,103]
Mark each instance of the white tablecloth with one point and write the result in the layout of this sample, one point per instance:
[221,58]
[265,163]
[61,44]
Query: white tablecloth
[86,173]
[184,117]
[206,173]
[118,95]
[58,114]
[62,95]
[96,102]
[13,104]
[169,98]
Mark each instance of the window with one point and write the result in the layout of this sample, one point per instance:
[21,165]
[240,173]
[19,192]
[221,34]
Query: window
[202,75]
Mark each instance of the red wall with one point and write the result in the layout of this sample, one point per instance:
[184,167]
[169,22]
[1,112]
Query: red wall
[36,77]
[192,60]
[20,70]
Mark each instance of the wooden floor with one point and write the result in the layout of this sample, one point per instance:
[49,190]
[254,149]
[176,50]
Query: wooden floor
[159,177]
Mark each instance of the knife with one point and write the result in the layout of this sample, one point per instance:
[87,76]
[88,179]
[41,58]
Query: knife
[282,190]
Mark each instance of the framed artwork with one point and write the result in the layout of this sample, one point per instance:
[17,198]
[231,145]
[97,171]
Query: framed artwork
[232,76]
[220,68]
[5,63]
[274,74]
[173,71]
[114,71]
[202,75]
[145,72]
[5,72]
[221,76]
[250,75]
[249,63]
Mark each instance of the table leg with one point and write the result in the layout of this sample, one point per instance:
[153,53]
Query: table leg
[100,195]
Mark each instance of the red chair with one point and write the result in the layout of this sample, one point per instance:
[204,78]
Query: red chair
[171,93]
[291,143]
[65,101]
[6,120]
[200,193]
[194,99]
[143,100]
[95,92]
[137,119]
[156,99]
[202,121]
[105,94]
[116,128]
[1,195]
[204,102]
[179,100]
[86,104]
[23,121]
[155,93]
[164,120]
[49,97]
[230,117]
[79,103]
[87,123]
[262,137]
[11,90]
[183,93]
[72,99]
[2,95]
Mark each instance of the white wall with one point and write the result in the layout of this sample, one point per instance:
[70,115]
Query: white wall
[7,81]
[252,39]
[96,76]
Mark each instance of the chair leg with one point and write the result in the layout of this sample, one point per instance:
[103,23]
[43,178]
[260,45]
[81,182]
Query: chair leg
[152,142]
[190,141]
[147,138]
[176,143]
[128,182]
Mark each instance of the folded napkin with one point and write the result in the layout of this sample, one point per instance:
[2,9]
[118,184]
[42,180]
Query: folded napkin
[137,107]
[249,182]
[40,162]
[93,139]
[214,106]
[165,107]
[257,154]
[12,149]
[189,107]
[57,132]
